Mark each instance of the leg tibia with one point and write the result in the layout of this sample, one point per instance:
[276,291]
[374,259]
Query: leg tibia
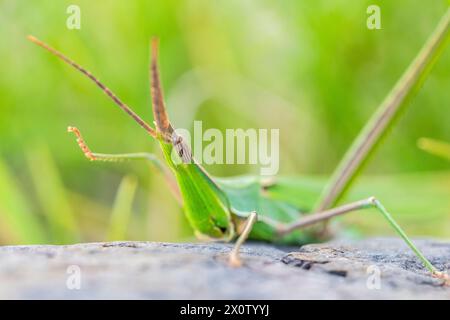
[234,259]
[371,202]
[377,204]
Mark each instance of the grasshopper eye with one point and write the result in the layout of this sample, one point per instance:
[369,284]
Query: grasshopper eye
[181,148]
[176,139]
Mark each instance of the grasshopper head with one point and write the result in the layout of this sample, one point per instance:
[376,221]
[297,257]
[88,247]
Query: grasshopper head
[205,204]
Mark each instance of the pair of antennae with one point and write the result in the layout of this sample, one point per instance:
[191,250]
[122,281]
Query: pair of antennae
[162,122]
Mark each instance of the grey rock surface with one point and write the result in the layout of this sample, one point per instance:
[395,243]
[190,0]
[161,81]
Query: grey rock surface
[377,268]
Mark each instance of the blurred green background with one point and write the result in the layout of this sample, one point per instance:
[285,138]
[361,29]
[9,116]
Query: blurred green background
[310,68]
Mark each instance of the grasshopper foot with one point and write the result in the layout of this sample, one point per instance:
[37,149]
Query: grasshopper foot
[442,275]
[234,260]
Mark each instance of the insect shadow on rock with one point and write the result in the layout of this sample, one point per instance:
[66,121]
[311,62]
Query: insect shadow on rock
[228,208]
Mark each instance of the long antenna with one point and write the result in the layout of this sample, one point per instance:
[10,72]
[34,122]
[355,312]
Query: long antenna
[370,136]
[159,109]
[105,89]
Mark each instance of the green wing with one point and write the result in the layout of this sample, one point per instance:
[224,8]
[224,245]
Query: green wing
[247,194]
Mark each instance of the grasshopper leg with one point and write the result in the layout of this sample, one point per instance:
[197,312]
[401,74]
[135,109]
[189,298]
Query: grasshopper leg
[110,157]
[371,202]
[234,259]
[93,156]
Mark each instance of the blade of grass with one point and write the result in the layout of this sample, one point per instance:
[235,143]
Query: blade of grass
[435,147]
[92,215]
[122,209]
[52,195]
[377,127]
[16,217]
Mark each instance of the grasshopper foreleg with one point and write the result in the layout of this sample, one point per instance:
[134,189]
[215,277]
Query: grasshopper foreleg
[234,259]
[93,156]
[371,202]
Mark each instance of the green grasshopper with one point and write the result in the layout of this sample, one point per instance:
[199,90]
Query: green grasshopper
[228,208]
